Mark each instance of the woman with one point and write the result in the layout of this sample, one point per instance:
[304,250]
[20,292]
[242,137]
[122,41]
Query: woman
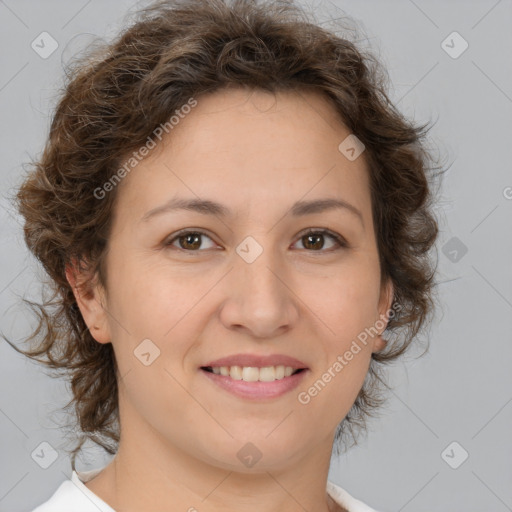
[233,213]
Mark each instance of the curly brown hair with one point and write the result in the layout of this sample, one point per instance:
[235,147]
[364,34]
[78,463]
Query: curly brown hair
[117,95]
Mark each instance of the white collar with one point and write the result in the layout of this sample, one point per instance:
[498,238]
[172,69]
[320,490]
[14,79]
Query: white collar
[337,493]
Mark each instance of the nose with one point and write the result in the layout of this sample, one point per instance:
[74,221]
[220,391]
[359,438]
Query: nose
[259,298]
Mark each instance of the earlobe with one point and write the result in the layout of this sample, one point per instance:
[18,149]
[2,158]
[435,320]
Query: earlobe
[89,299]
[385,303]
[379,343]
[386,299]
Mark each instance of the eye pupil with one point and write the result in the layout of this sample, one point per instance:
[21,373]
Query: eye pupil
[313,241]
[313,236]
[188,237]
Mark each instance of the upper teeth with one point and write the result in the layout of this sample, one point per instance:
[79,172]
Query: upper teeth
[253,374]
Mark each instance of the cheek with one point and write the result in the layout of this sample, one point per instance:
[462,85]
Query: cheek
[333,388]
[148,302]
[348,309]
[348,303]
[160,398]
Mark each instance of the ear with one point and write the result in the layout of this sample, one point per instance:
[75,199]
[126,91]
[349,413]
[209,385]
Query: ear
[90,298]
[385,303]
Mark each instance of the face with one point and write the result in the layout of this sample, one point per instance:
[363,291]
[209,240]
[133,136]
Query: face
[259,276]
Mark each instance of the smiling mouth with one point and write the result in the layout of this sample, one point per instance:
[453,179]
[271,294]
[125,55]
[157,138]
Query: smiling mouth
[254,374]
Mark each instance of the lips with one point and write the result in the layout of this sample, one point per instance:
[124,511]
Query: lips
[255,390]
[257,361]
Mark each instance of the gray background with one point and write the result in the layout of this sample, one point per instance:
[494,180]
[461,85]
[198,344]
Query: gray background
[460,391]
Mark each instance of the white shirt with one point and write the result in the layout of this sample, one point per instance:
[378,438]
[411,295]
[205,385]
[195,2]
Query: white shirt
[73,496]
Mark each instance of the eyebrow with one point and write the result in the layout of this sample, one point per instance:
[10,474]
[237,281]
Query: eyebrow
[209,207]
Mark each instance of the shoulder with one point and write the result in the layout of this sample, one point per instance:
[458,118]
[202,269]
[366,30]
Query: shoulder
[73,495]
[62,499]
[346,500]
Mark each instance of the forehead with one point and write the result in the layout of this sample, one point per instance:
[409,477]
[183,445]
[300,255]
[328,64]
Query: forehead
[246,148]
[248,121]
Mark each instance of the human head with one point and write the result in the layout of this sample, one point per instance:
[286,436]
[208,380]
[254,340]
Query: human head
[182,50]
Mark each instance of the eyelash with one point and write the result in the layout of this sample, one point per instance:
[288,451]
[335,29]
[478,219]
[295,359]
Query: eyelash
[342,243]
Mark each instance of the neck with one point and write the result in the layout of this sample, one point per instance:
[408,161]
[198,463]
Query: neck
[149,473]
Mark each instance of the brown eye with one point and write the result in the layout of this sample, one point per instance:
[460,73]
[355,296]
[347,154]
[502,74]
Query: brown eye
[188,240]
[315,240]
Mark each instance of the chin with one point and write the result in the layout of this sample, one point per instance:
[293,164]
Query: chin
[256,454]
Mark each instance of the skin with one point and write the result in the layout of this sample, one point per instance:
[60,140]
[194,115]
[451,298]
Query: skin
[256,153]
